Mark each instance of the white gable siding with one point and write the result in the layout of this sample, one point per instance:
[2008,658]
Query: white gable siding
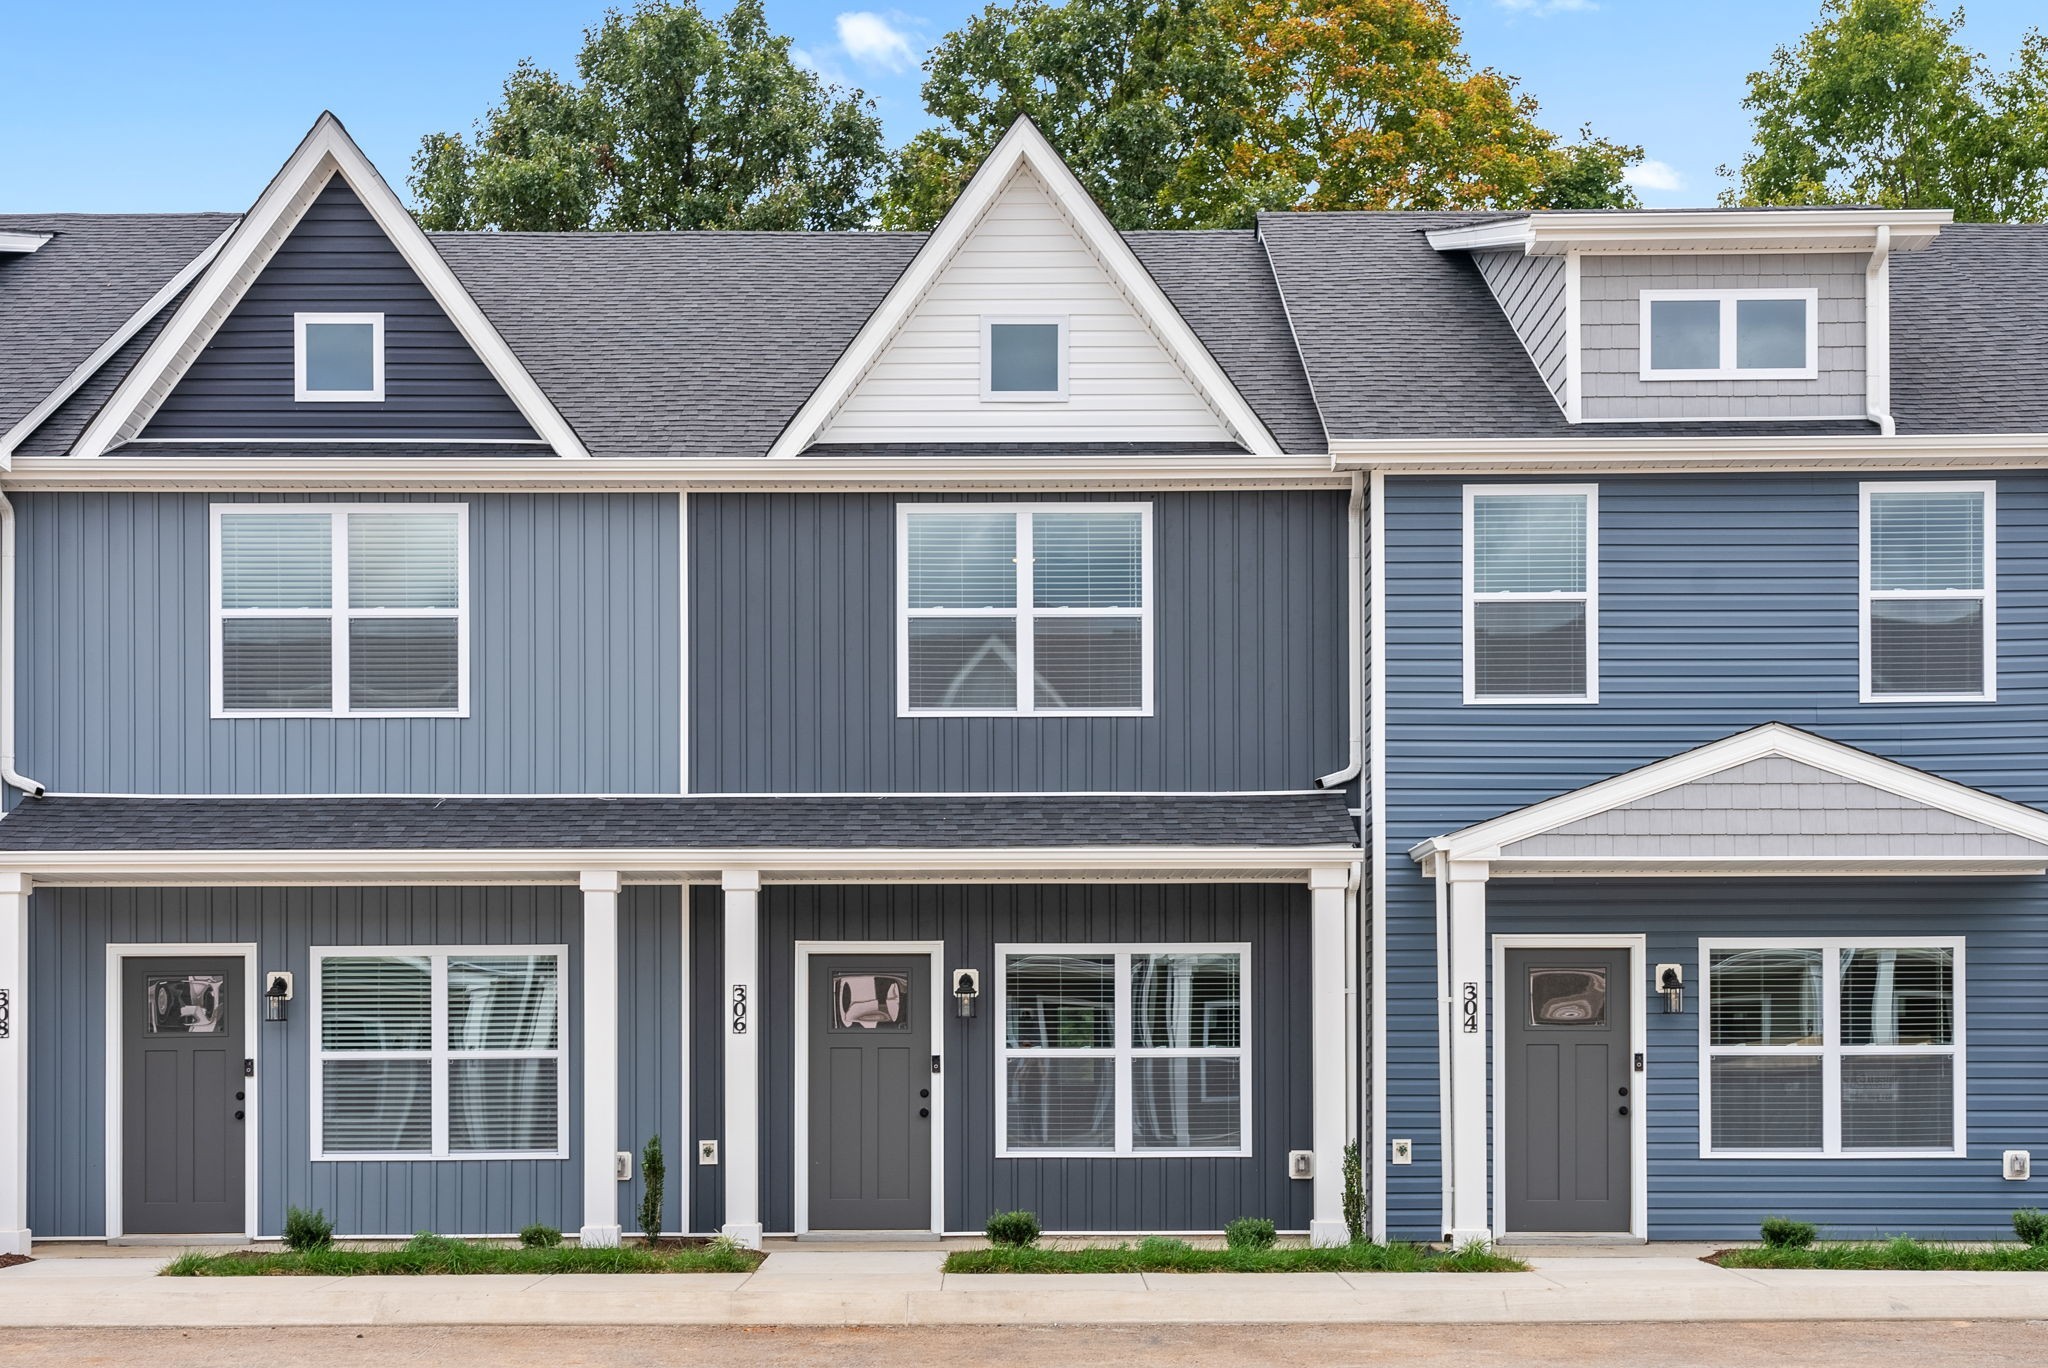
[1025,258]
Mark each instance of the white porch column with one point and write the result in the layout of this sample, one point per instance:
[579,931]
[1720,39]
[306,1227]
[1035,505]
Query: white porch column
[600,1057]
[13,1062]
[1328,1128]
[742,1149]
[1465,1147]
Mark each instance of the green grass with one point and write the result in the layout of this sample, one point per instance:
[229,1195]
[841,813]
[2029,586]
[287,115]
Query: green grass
[1177,1256]
[437,1254]
[1897,1253]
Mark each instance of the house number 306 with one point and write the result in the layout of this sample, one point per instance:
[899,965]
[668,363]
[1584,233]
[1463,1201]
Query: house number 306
[739,1009]
[1471,1007]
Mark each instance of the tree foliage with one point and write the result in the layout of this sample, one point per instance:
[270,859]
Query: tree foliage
[1881,103]
[678,122]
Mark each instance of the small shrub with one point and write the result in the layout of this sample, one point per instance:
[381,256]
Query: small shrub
[654,1171]
[1780,1232]
[1354,1193]
[2032,1227]
[1163,1247]
[1012,1229]
[305,1230]
[1250,1232]
[540,1237]
[724,1246]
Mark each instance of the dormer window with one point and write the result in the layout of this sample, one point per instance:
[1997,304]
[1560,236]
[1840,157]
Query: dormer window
[1730,334]
[338,358]
[1024,358]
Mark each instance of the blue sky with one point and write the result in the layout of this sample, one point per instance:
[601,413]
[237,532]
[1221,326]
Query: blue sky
[156,106]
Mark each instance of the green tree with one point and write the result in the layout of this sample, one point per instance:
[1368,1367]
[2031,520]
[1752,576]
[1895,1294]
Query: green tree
[678,122]
[1881,103]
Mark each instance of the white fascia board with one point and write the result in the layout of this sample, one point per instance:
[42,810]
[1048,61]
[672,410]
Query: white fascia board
[1833,867]
[1556,232]
[1778,451]
[326,151]
[1486,840]
[1025,146]
[1497,236]
[22,244]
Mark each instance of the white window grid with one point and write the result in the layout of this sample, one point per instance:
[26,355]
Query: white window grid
[1831,1052]
[1123,1052]
[302,394]
[439,1052]
[1023,613]
[1728,370]
[1988,595]
[338,612]
[989,393]
[1590,595]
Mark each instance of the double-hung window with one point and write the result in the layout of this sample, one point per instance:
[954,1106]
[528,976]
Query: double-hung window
[1752,334]
[439,1053]
[1929,573]
[1116,1050]
[1531,594]
[340,610]
[1022,609]
[1832,1047]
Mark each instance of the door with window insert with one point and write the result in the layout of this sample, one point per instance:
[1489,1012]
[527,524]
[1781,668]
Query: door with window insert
[183,1096]
[870,1092]
[1566,1129]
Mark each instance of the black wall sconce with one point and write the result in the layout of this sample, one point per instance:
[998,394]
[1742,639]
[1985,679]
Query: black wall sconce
[966,990]
[277,991]
[1671,983]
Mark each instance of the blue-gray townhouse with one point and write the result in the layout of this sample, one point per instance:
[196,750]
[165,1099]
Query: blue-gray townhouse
[1020,716]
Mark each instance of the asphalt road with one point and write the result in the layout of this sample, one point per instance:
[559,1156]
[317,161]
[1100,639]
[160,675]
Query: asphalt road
[1920,1344]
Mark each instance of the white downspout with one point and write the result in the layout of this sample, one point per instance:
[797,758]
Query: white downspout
[1877,334]
[9,591]
[1356,520]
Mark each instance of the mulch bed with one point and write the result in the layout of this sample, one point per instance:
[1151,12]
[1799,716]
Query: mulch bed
[10,1260]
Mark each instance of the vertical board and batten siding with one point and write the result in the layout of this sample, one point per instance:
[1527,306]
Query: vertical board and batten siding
[1024,258]
[708,1002]
[1610,324]
[793,629]
[574,659]
[1530,290]
[337,260]
[1726,601]
[652,1077]
[69,930]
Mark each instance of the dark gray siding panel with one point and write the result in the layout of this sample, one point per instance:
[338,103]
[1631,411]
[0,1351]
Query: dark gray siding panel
[68,934]
[707,1056]
[793,656]
[574,658]
[1067,1194]
[651,1079]
[337,260]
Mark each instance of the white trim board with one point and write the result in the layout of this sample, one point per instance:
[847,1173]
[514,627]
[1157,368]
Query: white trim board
[252,1125]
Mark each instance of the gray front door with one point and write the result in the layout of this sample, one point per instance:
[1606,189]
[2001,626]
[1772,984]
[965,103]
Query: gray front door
[1570,1089]
[871,1092]
[182,1096]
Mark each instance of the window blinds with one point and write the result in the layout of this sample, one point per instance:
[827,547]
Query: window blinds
[1927,581]
[1529,582]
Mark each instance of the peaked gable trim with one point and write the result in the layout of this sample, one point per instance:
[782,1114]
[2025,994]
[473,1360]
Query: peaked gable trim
[1486,840]
[1025,147]
[325,152]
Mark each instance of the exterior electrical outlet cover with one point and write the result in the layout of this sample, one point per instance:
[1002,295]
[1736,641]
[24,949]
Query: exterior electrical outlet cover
[622,1166]
[1301,1164]
[1404,1152]
[707,1151]
[2019,1165]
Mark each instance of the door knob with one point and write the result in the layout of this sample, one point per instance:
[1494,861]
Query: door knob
[1624,1090]
[238,1097]
[924,1092]
[921,1111]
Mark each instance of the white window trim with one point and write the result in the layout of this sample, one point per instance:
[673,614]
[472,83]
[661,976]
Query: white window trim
[1023,613]
[304,395]
[1122,1051]
[1590,596]
[1988,594]
[1728,370]
[439,1054]
[1831,1051]
[989,393]
[338,612]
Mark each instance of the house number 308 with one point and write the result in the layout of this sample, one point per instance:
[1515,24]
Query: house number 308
[1471,1009]
[739,1009]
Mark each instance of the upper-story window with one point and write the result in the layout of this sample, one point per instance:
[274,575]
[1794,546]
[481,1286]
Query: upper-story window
[1531,594]
[1929,572]
[1024,358]
[1730,334]
[325,610]
[1018,609]
[338,358]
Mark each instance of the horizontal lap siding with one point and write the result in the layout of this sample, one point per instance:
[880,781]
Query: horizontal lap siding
[574,656]
[1726,601]
[793,655]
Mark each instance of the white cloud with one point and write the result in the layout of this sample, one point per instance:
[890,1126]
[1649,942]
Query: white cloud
[1543,9]
[1652,174]
[873,41]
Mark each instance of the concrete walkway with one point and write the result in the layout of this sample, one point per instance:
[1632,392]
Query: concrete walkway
[907,1288]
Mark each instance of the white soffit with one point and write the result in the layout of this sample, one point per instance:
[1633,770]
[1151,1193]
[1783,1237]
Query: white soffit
[20,244]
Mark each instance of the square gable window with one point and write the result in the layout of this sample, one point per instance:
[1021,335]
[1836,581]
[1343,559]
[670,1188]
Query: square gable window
[1730,334]
[1024,358]
[338,358]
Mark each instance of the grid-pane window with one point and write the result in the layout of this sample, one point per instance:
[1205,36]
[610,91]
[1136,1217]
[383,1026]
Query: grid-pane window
[1832,1047]
[323,610]
[1530,594]
[1044,609]
[434,1053]
[1109,1050]
[1928,593]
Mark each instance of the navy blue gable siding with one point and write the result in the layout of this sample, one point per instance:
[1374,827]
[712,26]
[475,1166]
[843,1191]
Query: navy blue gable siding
[337,260]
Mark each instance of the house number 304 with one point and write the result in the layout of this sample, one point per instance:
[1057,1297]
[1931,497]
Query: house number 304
[1471,1007]
[739,1009]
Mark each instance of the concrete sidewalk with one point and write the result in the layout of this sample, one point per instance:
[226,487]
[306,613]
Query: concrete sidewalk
[907,1288]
